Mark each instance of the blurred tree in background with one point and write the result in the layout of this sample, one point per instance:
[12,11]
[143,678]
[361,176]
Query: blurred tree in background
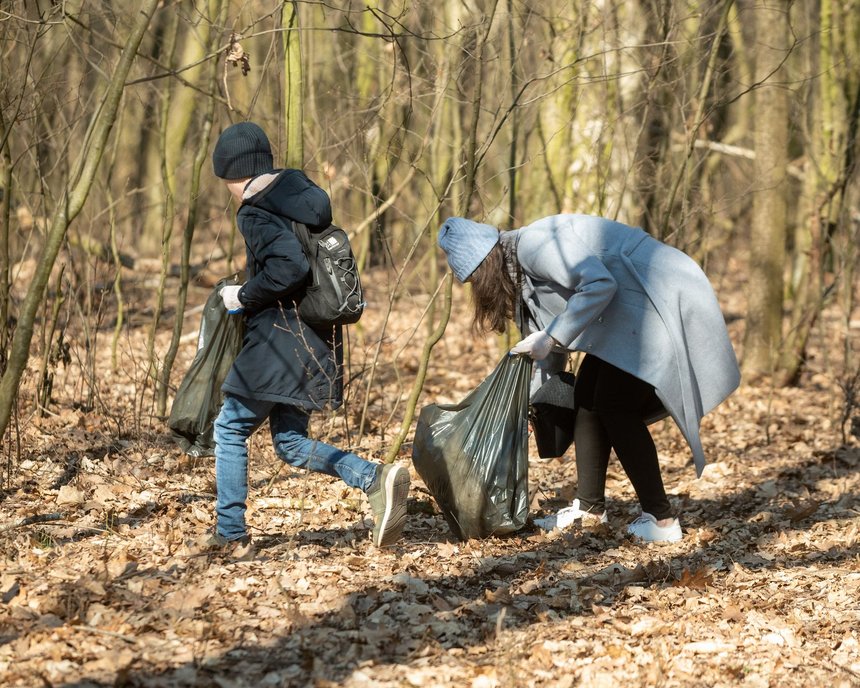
[727,128]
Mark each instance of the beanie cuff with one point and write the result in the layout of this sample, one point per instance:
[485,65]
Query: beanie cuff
[242,151]
[243,166]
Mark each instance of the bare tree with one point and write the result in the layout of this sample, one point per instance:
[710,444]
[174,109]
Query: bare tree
[824,235]
[768,230]
[293,85]
[204,121]
[70,204]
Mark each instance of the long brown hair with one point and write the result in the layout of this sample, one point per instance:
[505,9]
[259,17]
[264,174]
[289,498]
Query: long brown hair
[494,293]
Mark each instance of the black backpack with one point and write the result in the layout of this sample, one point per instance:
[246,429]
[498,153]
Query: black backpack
[333,295]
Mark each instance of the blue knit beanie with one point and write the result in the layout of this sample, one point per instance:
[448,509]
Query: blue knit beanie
[466,243]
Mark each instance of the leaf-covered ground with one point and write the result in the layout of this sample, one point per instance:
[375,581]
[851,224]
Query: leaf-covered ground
[104,581]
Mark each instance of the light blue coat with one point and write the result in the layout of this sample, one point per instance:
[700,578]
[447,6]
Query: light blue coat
[613,291]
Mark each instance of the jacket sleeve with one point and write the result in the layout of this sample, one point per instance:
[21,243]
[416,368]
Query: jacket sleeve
[567,263]
[281,266]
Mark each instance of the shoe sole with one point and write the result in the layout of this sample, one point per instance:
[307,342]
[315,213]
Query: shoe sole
[546,524]
[665,541]
[661,541]
[587,519]
[391,524]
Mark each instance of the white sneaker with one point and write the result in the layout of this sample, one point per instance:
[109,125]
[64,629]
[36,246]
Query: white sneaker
[645,528]
[566,517]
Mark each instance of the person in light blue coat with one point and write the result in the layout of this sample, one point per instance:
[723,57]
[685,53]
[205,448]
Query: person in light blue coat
[647,319]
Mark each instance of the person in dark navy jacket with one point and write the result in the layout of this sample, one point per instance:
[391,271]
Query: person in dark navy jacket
[286,369]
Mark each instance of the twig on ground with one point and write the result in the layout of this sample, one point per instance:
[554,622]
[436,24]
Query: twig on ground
[30,520]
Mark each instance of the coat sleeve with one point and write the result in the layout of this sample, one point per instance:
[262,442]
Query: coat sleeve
[568,264]
[281,266]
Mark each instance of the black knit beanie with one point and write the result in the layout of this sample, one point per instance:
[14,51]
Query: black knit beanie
[242,151]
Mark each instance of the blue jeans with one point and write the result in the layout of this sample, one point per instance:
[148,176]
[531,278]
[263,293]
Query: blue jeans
[238,419]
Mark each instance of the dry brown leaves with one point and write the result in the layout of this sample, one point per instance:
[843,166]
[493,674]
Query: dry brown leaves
[103,580]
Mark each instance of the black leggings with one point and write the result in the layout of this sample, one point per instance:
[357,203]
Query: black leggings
[610,405]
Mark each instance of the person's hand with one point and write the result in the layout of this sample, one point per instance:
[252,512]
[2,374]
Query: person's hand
[537,345]
[230,297]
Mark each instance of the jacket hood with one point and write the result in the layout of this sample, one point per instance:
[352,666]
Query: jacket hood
[289,193]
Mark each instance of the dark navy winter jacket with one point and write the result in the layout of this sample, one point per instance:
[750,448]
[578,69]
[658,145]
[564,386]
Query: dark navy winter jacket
[282,358]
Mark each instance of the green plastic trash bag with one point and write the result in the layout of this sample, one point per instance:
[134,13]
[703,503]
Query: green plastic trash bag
[473,456]
[198,399]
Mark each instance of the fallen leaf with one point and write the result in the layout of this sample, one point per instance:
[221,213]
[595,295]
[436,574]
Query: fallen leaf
[709,647]
[500,596]
[800,511]
[69,494]
[699,579]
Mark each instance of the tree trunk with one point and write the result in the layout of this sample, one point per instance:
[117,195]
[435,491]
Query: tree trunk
[146,221]
[556,116]
[168,200]
[471,175]
[5,205]
[515,116]
[769,212]
[705,83]
[218,11]
[77,189]
[823,238]
[293,87]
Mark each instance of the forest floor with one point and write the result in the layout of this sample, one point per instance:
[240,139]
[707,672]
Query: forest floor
[104,580]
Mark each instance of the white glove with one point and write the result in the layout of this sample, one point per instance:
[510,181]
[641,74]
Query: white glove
[230,297]
[537,345]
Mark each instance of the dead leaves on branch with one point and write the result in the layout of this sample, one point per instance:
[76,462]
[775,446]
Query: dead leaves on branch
[236,55]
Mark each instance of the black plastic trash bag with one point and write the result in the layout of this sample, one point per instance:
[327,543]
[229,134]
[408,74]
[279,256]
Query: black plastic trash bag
[198,399]
[474,457]
[553,415]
